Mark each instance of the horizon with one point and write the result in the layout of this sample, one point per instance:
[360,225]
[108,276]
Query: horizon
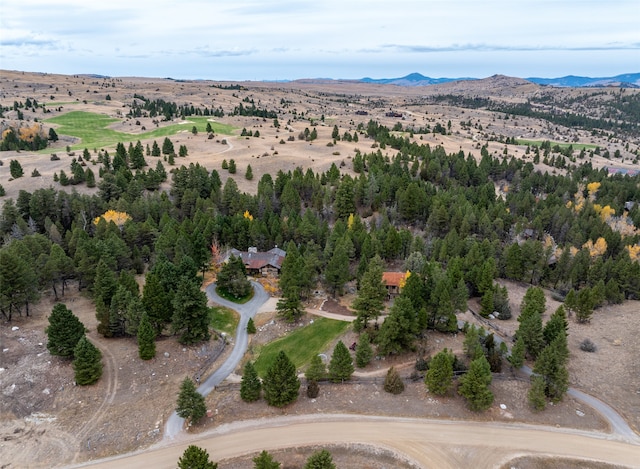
[285,40]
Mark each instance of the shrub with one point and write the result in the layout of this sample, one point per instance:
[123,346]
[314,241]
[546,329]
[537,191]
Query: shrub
[54,157]
[588,346]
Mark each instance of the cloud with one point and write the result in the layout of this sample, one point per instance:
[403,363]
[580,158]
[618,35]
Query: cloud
[404,48]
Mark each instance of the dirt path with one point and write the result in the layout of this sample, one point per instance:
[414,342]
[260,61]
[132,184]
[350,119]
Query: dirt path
[428,443]
[110,371]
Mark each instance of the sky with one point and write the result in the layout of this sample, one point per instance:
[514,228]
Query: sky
[284,40]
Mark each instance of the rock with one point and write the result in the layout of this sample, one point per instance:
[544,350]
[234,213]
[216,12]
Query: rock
[617,342]
[503,407]
[15,328]
[166,354]
[184,349]
[46,391]
[579,413]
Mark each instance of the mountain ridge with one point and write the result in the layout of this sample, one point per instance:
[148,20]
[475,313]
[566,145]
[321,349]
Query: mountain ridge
[626,80]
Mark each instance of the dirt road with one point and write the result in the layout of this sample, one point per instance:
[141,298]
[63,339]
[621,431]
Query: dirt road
[428,443]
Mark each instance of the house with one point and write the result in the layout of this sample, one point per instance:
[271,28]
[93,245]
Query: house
[261,263]
[394,281]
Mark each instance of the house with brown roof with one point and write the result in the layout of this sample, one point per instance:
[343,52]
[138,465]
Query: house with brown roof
[394,281]
[261,263]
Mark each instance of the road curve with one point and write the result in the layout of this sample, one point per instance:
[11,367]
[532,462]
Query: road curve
[247,310]
[427,443]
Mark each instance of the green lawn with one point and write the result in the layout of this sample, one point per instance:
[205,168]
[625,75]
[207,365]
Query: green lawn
[91,129]
[224,320]
[576,146]
[302,344]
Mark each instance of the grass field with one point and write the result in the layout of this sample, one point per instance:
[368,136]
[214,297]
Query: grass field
[302,344]
[91,129]
[224,320]
[576,146]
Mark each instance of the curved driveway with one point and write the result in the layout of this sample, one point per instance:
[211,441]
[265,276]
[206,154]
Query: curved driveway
[247,310]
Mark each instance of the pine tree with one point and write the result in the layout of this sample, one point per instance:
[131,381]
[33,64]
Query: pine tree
[336,272]
[364,351]
[341,364]
[250,386]
[397,331]
[551,366]
[87,364]
[195,457]
[191,314]
[248,173]
[517,354]
[251,326]
[532,334]
[232,278]
[471,344]
[191,404]
[265,461]
[320,459]
[533,302]
[289,307]
[281,384]
[64,331]
[393,383]
[556,325]
[439,376]
[146,339]
[474,386]
[316,370]
[536,394]
[369,303]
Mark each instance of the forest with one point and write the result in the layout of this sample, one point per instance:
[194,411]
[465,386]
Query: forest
[459,220]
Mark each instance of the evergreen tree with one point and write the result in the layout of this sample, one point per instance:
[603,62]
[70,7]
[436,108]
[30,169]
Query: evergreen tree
[232,166]
[341,364]
[191,404]
[533,302]
[551,367]
[90,178]
[251,326]
[248,173]
[232,278]
[364,351]
[556,325]
[517,354]
[393,383]
[289,307]
[532,334]
[474,385]
[191,314]
[64,331]
[157,301]
[585,302]
[281,383]
[320,459]
[439,377]
[15,169]
[471,345]
[336,272]
[312,389]
[369,303]
[195,457]
[265,461]
[316,370]
[536,395]
[104,288]
[167,147]
[250,386]
[87,364]
[396,333]
[146,339]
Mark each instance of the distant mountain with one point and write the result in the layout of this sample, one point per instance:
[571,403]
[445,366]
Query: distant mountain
[413,79]
[627,80]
